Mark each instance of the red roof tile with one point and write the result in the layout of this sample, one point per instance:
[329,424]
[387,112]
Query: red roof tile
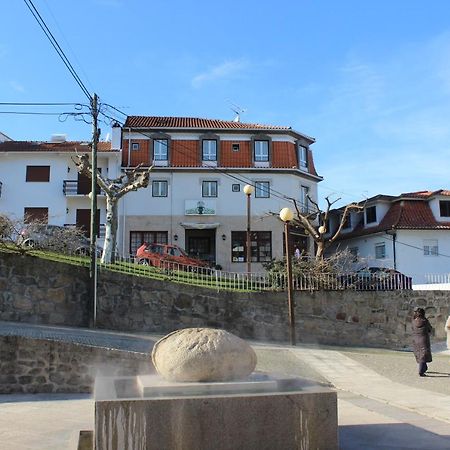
[197,123]
[425,194]
[31,146]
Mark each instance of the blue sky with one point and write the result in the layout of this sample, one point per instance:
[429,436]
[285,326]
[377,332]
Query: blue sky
[370,80]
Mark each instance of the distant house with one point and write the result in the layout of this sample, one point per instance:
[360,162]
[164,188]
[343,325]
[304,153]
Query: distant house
[409,233]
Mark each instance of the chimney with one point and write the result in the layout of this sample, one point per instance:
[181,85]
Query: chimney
[116,136]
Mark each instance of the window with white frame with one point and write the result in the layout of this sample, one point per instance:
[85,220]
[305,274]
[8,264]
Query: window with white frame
[380,250]
[209,150]
[430,247]
[160,149]
[135,146]
[302,157]
[262,189]
[261,151]
[209,188]
[159,188]
[304,201]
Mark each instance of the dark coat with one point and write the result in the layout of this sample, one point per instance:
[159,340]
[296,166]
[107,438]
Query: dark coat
[421,339]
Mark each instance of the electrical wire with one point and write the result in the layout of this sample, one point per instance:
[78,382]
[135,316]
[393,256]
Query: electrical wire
[42,104]
[412,246]
[57,47]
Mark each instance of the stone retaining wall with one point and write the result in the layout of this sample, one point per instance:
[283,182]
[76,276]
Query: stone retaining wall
[37,291]
[30,365]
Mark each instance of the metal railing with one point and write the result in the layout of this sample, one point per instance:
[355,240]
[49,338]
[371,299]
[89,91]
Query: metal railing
[442,278]
[76,187]
[165,269]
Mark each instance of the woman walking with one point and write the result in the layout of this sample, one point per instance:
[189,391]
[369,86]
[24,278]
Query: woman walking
[421,340]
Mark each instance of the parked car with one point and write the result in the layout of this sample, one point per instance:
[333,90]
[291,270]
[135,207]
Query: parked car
[58,238]
[166,256]
[381,278]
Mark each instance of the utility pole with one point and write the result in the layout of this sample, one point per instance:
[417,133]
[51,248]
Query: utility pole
[94,225]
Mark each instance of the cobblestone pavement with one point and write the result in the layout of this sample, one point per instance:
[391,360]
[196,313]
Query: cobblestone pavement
[382,403]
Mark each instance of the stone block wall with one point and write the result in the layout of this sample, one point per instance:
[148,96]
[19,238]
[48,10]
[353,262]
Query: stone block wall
[37,365]
[37,291]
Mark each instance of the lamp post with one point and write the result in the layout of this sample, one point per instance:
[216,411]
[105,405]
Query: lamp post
[248,191]
[286,215]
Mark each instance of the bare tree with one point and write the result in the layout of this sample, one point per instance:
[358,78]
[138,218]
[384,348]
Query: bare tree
[114,190]
[315,223]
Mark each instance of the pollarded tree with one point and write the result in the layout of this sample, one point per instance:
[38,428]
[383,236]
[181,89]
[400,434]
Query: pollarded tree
[114,190]
[315,223]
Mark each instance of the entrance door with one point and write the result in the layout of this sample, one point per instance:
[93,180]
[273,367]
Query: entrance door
[201,244]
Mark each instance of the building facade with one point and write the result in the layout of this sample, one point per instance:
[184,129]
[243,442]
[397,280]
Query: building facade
[195,198]
[409,233]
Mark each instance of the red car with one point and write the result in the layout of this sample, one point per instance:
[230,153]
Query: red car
[165,255]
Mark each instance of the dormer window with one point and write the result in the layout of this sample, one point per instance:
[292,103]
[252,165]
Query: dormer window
[209,150]
[302,157]
[261,151]
[347,223]
[160,149]
[371,214]
[444,208]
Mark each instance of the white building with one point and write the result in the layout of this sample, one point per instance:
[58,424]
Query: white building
[40,180]
[195,198]
[409,233]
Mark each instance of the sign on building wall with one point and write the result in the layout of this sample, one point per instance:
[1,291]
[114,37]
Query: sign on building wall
[199,207]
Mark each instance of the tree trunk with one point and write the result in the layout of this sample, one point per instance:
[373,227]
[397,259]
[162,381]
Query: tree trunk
[109,247]
[320,249]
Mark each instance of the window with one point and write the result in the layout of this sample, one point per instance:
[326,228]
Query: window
[347,222]
[236,188]
[35,214]
[371,214]
[380,250]
[137,238]
[235,147]
[160,147]
[260,242]
[38,173]
[354,252]
[262,189]
[261,151]
[159,188]
[430,247]
[209,150]
[209,188]
[135,146]
[444,207]
[302,157]
[304,201]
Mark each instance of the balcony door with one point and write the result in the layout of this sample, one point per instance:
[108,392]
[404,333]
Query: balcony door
[83,221]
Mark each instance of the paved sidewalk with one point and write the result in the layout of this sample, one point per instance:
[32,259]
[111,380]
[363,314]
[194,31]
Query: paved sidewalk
[374,412]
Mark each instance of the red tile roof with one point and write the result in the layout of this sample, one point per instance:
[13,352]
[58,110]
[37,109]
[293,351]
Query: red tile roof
[195,122]
[403,214]
[32,146]
[425,194]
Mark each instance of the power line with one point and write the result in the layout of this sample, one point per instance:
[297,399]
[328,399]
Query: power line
[57,47]
[413,246]
[42,104]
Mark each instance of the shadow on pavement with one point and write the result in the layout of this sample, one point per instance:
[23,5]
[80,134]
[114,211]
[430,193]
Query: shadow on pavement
[389,437]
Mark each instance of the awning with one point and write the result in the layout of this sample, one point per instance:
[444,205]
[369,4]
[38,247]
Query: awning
[199,226]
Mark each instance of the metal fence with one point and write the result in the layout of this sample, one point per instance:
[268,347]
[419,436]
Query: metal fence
[238,281]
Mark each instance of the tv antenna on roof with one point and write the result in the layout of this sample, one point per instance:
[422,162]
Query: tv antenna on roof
[237,110]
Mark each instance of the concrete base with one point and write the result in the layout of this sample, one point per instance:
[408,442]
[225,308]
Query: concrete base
[305,418]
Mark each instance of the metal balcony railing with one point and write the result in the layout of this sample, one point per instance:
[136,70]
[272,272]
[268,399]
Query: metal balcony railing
[76,187]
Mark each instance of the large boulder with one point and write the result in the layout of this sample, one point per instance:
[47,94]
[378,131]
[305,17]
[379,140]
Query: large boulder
[203,354]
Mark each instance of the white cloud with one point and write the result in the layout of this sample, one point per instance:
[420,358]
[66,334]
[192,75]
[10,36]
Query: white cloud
[226,70]
[16,86]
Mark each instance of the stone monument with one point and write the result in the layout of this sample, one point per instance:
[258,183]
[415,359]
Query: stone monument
[206,396]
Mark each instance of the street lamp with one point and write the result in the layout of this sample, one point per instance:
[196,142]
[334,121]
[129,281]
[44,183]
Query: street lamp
[286,215]
[248,191]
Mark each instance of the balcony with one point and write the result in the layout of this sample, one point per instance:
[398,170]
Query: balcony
[73,188]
